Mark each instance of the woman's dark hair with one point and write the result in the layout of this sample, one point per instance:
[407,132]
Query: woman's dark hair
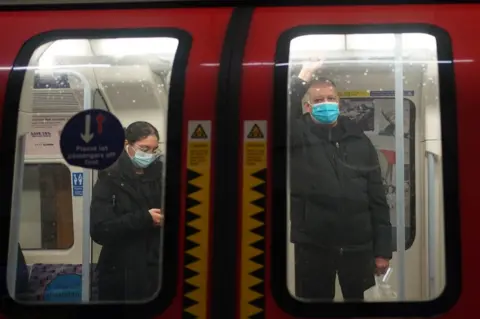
[139,130]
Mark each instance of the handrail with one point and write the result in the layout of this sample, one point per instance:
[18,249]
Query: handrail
[399,167]
[86,245]
[12,259]
[432,221]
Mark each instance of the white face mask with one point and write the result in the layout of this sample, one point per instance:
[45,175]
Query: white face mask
[142,159]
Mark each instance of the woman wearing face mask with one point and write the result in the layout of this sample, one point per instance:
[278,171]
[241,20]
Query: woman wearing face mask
[126,218]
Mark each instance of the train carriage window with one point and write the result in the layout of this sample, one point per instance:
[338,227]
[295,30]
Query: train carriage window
[132,78]
[47,210]
[363,132]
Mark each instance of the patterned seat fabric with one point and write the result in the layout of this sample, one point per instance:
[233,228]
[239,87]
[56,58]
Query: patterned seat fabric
[58,283]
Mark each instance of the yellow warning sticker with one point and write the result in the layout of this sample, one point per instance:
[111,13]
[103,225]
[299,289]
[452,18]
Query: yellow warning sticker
[199,133]
[196,254]
[255,150]
[354,94]
[255,132]
[199,144]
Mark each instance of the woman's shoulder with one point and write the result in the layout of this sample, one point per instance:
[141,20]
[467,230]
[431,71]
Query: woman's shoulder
[108,178]
[110,172]
[115,170]
[155,169]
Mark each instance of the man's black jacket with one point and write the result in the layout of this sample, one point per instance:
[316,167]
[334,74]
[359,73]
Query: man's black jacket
[337,196]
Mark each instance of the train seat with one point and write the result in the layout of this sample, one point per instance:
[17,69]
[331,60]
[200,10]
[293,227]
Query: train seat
[58,283]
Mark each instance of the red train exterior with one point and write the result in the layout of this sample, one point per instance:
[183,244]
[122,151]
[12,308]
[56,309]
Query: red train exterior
[209,29]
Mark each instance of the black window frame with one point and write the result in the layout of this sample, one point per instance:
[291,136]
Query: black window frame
[171,269]
[278,217]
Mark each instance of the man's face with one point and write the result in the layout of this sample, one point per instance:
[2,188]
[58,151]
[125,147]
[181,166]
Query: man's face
[320,93]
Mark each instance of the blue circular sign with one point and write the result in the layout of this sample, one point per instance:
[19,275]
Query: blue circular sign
[92,139]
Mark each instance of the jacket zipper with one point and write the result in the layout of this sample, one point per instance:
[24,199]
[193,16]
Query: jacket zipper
[336,157]
[335,154]
[339,176]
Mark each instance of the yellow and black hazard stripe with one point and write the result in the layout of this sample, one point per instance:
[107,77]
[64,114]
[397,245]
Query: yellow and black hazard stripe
[196,246]
[253,244]
[195,286]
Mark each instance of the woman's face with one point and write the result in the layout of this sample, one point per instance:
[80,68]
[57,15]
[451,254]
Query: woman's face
[148,145]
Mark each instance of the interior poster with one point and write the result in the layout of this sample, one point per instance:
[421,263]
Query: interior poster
[44,136]
[376,116]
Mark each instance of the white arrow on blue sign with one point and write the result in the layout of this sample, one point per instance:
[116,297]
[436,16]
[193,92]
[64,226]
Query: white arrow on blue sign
[92,139]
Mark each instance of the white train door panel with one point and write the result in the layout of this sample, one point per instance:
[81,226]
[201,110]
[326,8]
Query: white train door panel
[61,224]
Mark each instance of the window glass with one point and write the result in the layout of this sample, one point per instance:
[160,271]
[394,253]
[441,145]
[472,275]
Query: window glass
[349,202]
[47,212]
[124,204]
[64,48]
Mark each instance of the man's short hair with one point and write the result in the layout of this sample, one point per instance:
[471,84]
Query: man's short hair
[318,81]
[322,81]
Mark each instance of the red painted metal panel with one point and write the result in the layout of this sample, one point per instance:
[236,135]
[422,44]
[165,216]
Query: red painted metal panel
[207,28]
[458,20]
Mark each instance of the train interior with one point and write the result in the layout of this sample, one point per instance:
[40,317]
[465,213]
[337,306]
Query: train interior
[130,78]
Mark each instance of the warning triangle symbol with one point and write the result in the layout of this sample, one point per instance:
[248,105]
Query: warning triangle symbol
[255,132]
[199,132]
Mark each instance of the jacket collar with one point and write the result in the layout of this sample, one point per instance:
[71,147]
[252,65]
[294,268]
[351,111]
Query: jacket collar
[349,127]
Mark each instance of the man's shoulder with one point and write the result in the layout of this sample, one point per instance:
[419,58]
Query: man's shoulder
[350,126]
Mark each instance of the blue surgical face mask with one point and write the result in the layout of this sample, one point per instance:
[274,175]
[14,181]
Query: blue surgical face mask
[142,159]
[325,112]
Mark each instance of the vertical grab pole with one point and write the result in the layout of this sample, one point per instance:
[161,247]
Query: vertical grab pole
[400,166]
[432,221]
[86,247]
[13,241]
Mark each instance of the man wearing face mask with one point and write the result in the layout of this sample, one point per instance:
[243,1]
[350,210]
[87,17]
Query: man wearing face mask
[340,220]
[126,218]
